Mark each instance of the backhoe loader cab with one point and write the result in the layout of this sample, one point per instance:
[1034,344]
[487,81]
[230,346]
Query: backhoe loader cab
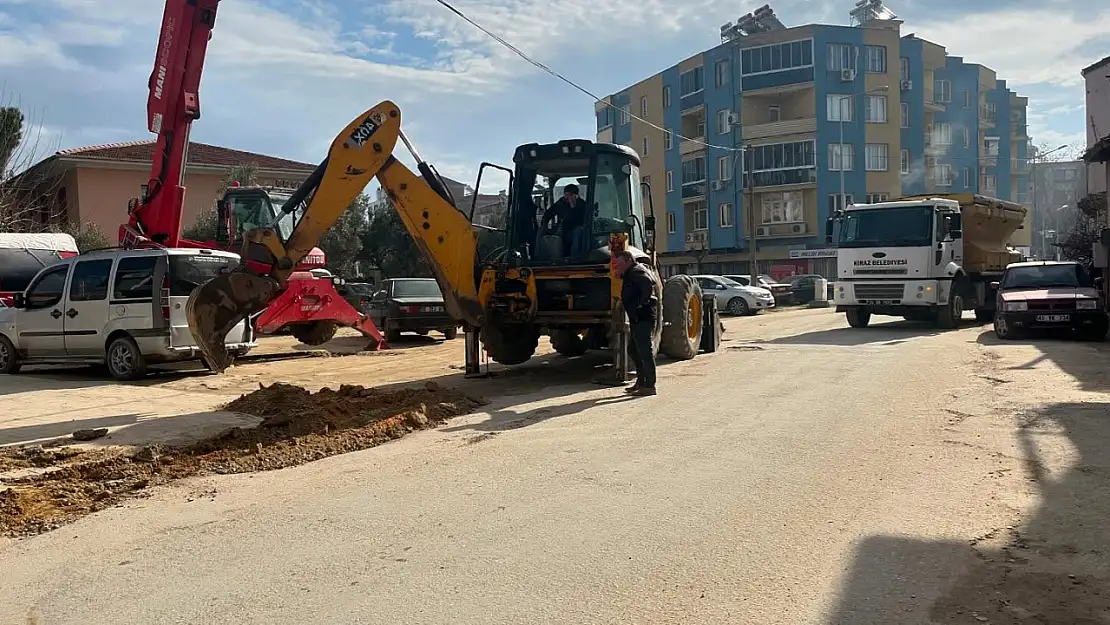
[243,209]
[608,180]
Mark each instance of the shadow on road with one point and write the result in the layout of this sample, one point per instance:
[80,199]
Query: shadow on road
[502,420]
[1051,570]
[891,333]
[1086,361]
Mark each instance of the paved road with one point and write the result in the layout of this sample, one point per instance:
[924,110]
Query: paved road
[808,473]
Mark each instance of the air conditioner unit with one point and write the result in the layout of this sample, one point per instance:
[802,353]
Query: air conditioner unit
[847,75]
[718,185]
[733,118]
[798,229]
[906,85]
[763,231]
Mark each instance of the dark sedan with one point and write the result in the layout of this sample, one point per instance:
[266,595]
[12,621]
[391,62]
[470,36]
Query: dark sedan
[357,294]
[411,305]
[1049,295]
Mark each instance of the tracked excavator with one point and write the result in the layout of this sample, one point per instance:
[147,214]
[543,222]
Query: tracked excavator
[506,286]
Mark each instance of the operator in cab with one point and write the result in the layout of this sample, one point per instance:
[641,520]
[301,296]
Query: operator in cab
[639,301]
[572,213]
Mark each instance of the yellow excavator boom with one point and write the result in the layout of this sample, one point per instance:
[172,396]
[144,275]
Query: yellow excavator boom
[363,150]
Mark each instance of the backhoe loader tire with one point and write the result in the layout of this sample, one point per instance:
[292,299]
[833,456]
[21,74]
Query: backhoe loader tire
[510,344]
[682,318]
[569,342]
[314,333]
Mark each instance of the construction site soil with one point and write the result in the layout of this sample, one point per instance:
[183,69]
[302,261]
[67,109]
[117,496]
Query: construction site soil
[49,486]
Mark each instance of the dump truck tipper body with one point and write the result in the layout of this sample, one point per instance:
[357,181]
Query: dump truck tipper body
[926,257]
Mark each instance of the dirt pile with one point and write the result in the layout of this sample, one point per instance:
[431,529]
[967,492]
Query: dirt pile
[297,427]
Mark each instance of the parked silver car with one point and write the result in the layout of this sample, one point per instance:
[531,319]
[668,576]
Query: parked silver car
[735,298]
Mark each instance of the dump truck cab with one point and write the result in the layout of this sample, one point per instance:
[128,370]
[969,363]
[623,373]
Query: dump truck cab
[924,258]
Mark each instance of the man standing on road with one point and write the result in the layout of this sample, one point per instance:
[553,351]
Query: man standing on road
[639,301]
[571,211]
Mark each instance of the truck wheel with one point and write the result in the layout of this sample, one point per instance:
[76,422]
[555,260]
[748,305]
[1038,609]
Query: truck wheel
[858,316]
[510,344]
[314,333]
[568,342]
[9,359]
[983,315]
[682,325]
[125,361]
[949,315]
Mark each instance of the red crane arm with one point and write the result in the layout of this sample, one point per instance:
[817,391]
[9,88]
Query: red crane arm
[172,107]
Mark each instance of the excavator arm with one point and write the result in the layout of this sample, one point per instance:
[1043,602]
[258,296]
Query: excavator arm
[363,150]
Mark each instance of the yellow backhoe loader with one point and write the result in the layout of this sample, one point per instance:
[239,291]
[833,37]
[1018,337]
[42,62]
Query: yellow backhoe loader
[506,286]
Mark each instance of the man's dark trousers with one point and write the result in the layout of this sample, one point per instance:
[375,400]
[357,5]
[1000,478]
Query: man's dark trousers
[641,353]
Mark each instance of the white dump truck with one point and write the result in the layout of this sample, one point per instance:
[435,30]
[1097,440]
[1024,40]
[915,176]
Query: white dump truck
[923,258]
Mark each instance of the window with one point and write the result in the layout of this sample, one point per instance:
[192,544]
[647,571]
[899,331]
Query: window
[875,198]
[134,278]
[967,137]
[876,59]
[720,73]
[692,81]
[967,177]
[772,164]
[724,214]
[666,96]
[604,118]
[839,107]
[671,226]
[967,98]
[783,208]
[942,134]
[668,139]
[776,57]
[991,145]
[944,175]
[990,183]
[643,106]
[878,157]
[670,180]
[701,215]
[835,204]
[645,152]
[723,127]
[46,290]
[144,191]
[905,155]
[724,168]
[942,91]
[693,170]
[905,114]
[840,56]
[626,115]
[774,113]
[841,156]
[903,69]
[875,109]
[90,280]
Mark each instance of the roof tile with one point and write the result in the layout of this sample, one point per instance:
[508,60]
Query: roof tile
[199,154]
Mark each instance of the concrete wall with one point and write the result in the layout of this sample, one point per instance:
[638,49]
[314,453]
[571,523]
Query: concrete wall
[1098,124]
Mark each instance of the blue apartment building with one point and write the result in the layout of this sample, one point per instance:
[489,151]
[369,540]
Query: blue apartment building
[831,115]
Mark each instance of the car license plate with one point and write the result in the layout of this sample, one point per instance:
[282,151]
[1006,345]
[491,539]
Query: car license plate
[431,309]
[1053,318]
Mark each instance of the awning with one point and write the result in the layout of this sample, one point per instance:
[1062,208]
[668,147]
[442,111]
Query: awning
[1099,152]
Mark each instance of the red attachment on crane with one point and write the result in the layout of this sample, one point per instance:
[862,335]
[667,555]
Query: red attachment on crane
[172,107]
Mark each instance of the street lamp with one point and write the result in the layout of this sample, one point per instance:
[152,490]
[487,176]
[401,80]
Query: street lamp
[840,148]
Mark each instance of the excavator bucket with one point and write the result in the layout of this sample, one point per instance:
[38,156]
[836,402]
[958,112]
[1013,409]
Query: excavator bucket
[218,305]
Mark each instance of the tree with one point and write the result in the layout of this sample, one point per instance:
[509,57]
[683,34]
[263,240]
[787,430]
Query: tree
[387,245]
[1077,245]
[1054,155]
[89,236]
[29,185]
[208,222]
[342,243]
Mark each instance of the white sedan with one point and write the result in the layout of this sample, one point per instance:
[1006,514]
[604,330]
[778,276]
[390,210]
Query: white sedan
[735,298]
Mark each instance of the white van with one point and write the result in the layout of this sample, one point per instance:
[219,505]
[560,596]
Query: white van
[121,308]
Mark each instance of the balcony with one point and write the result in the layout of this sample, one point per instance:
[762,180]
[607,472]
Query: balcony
[693,190]
[988,116]
[931,106]
[934,148]
[688,146]
[988,185]
[988,159]
[782,177]
[783,127]
[697,240]
[1019,166]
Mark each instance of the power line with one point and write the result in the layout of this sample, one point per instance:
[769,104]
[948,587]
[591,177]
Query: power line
[573,84]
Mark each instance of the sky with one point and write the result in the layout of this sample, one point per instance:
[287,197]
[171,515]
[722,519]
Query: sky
[283,77]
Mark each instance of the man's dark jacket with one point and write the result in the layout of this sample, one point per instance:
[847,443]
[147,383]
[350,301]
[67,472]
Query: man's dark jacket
[638,293]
